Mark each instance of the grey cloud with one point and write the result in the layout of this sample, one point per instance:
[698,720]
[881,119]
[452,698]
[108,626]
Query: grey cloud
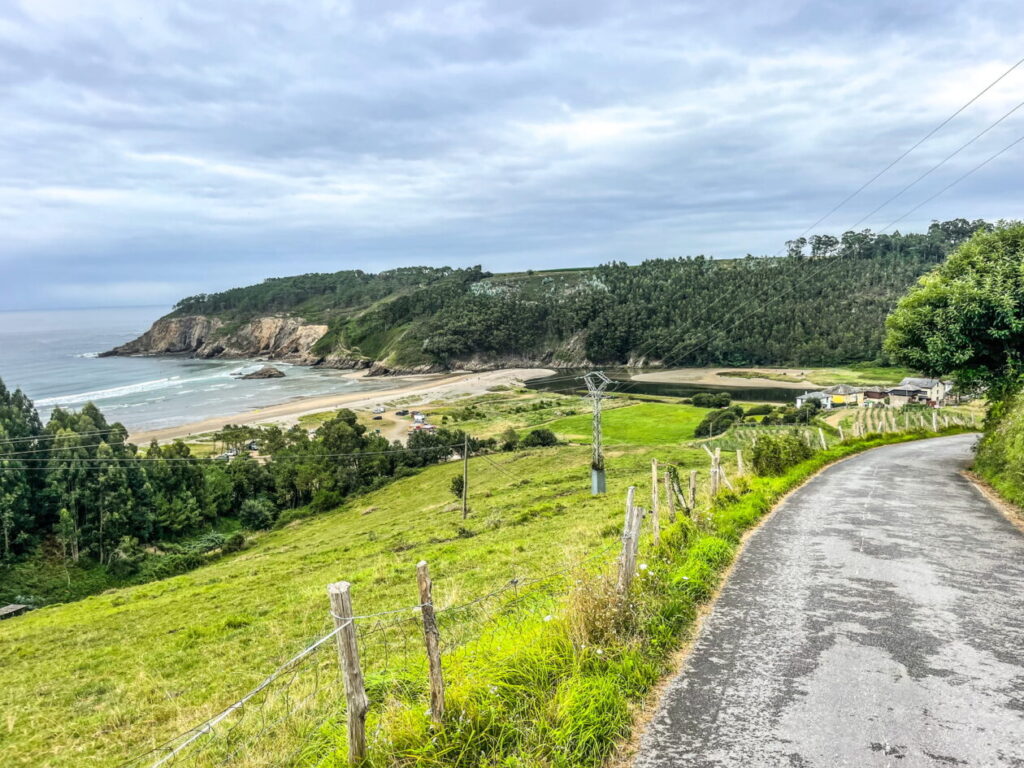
[174,144]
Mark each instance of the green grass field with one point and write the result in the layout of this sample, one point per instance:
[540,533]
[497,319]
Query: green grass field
[640,424]
[96,681]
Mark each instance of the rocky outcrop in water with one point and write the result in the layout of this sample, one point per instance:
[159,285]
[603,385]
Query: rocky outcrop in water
[266,372]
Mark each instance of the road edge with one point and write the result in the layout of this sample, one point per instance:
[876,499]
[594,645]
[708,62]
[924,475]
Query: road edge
[625,754]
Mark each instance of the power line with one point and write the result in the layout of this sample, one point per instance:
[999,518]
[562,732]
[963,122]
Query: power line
[97,462]
[919,142]
[935,167]
[954,182]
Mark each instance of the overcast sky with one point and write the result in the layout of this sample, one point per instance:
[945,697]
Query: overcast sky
[153,149]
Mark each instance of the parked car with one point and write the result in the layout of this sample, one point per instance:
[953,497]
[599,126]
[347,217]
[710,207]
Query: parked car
[377,418]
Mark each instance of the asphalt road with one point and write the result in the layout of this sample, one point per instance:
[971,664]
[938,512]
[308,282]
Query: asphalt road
[877,619]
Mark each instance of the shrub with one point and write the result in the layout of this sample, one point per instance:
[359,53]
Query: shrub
[324,500]
[539,438]
[257,514]
[711,399]
[127,558]
[759,410]
[715,423]
[509,439]
[774,454]
[233,543]
[457,486]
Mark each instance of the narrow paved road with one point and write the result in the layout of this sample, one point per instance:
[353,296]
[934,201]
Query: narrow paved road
[876,620]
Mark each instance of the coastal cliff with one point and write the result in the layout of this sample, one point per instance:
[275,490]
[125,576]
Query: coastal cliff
[290,340]
[274,338]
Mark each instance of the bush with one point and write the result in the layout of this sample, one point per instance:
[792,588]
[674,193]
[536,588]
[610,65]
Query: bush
[127,558]
[233,543]
[774,454]
[509,439]
[457,486]
[711,399]
[324,500]
[759,410]
[717,422]
[539,438]
[257,514]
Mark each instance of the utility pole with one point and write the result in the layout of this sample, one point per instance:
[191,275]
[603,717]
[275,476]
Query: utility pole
[596,382]
[465,475]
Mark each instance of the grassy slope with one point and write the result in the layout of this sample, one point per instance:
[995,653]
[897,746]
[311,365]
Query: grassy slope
[104,677]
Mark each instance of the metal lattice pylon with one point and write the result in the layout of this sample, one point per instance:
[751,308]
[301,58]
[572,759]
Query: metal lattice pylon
[596,383]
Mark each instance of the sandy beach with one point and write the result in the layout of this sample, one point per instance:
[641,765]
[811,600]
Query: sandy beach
[718,377]
[424,389]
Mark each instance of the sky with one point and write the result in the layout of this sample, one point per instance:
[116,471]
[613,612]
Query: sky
[151,150]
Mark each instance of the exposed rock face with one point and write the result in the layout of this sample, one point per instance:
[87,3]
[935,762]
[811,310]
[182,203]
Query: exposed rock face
[275,338]
[266,372]
[288,339]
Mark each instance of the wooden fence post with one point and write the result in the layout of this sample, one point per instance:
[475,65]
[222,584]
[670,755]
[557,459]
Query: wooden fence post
[842,437]
[725,478]
[348,656]
[740,470]
[655,521]
[821,437]
[670,497]
[432,639]
[693,491]
[714,475]
[627,560]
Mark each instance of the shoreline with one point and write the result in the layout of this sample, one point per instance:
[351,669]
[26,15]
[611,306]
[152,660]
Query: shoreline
[424,388]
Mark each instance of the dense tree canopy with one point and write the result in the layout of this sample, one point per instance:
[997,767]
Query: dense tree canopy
[966,318]
[79,487]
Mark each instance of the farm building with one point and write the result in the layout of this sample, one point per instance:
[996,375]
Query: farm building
[845,394]
[905,394]
[873,397]
[933,391]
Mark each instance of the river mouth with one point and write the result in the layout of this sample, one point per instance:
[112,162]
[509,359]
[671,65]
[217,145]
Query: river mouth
[567,382]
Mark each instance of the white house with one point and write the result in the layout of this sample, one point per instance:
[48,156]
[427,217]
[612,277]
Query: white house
[823,399]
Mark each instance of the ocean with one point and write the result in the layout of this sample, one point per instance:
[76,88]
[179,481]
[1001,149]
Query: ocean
[52,356]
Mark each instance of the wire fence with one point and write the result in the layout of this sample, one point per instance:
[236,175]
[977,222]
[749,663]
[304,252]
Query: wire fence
[297,714]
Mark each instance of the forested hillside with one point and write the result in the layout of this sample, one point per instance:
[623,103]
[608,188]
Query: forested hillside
[824,303]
